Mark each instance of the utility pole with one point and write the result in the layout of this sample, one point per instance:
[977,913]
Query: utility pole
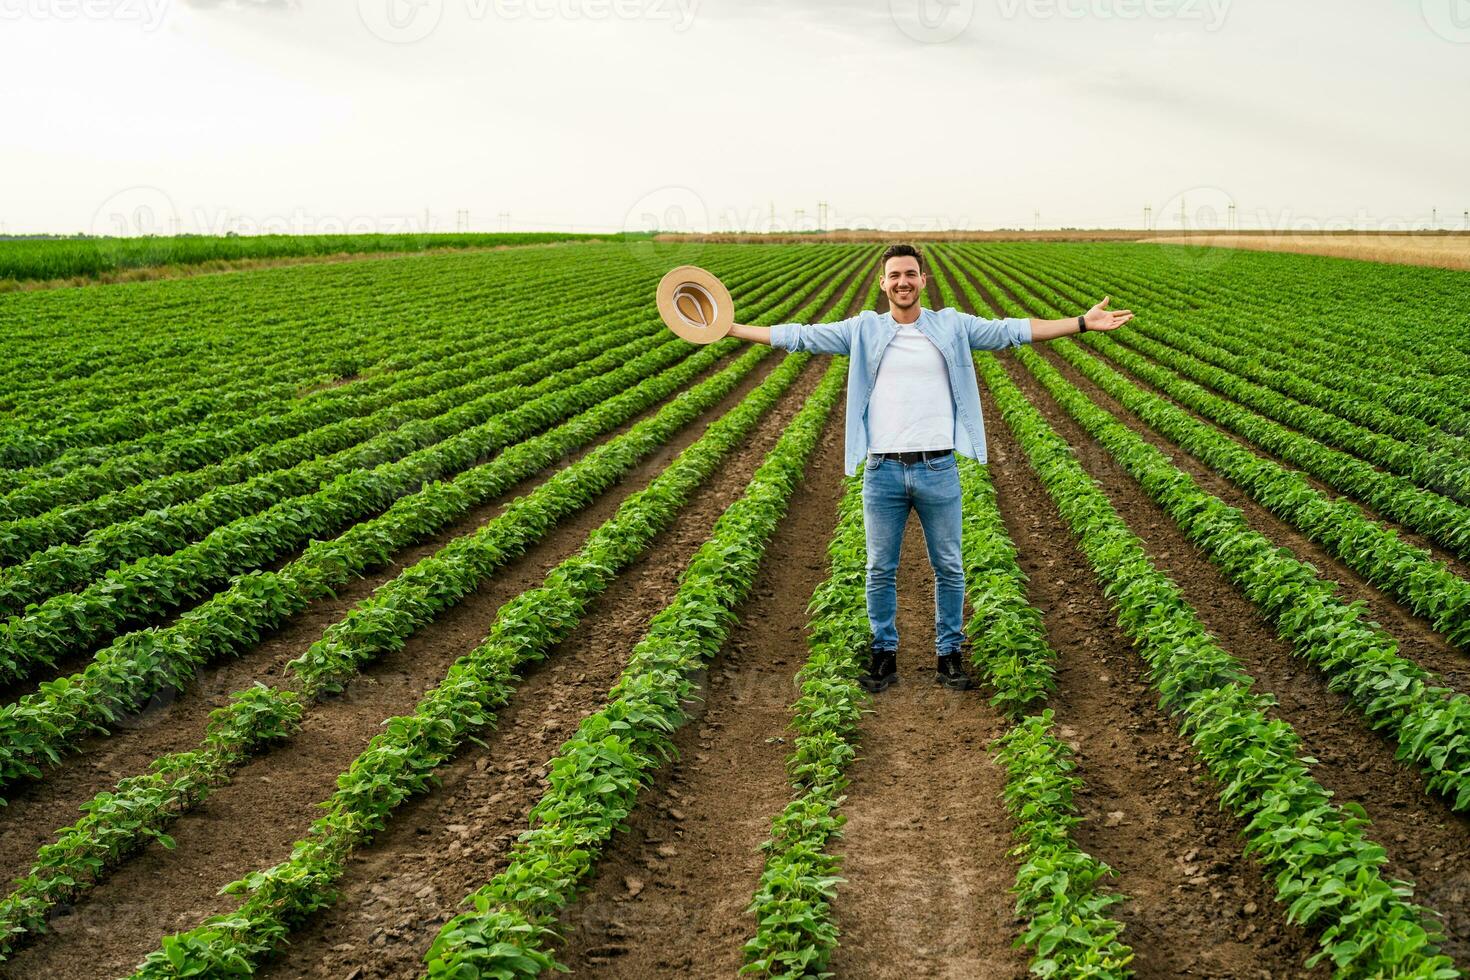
[1148,217]
[821,216]
[504,217]
[1036,220]
[771,219]
[1464,220]
[462,220]
[800,215]
[1433,218]
[1230,216]
[1182,218]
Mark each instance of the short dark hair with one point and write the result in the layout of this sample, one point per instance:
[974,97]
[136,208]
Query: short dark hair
[897,250]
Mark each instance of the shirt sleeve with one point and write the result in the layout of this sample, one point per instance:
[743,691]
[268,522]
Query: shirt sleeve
[815,338]
[996,334]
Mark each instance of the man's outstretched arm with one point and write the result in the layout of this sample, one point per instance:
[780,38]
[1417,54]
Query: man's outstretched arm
[815,338]
[1097,318]
[760,335]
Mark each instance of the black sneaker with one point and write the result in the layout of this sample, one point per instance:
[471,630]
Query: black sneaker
[882,670]
[951,673]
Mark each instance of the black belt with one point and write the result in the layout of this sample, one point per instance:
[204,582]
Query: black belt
[917,456]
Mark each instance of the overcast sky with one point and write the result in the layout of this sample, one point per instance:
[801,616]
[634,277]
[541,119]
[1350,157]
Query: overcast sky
[216,115]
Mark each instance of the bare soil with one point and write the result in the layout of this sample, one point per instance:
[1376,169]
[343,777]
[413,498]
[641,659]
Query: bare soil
[925,850]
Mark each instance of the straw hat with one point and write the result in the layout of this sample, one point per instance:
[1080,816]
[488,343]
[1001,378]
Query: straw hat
[695,305]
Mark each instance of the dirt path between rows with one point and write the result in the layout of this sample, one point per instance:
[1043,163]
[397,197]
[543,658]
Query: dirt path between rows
[1426,842]
[109,930]
[1458,566]
[454,840]
[924,848]
[1417,638]
[175,720]
[439,848]
[1198,906]
[671,893]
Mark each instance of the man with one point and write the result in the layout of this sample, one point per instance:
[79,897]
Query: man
[912,403]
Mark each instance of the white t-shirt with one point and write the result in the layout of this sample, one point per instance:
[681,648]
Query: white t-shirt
[911,407]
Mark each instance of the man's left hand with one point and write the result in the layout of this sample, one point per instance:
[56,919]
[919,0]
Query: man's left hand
[1102,318]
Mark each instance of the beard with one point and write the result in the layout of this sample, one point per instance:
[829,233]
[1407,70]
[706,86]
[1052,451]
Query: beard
[903,302]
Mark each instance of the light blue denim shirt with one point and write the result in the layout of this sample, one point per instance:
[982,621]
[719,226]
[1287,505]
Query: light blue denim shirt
[865,337]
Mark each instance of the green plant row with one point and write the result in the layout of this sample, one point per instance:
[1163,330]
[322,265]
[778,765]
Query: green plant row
[209,379]
[1442,451]
[1443,521]
[64,258]
[70,523]
[450,361]
[795,934]
[1328,314]
[1415,408]
[39,727]
[595,777]
[118,824]
[142,589]
[164,526]
[1409,574]
[1326,871]
[1430,723]
[1068,929]
[400,761]
[306,466]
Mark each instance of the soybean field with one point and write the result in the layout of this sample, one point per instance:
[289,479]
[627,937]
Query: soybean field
[446,615]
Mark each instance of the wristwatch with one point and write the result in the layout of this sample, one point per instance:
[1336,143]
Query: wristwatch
[1082,324]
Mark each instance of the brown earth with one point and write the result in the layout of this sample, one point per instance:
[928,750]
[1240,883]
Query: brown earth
[175,720]
[670,895]
[1426,842]
[925,848]
[1196,905]
[110,930]
[1456,565]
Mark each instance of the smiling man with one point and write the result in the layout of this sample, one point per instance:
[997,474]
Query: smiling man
[912,403]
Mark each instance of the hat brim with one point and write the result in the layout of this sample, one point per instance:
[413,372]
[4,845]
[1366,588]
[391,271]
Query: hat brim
[695,305]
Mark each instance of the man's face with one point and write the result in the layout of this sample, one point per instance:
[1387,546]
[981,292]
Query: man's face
[903,283]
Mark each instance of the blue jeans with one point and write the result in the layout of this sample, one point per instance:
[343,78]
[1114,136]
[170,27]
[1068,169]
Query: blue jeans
[931,487]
